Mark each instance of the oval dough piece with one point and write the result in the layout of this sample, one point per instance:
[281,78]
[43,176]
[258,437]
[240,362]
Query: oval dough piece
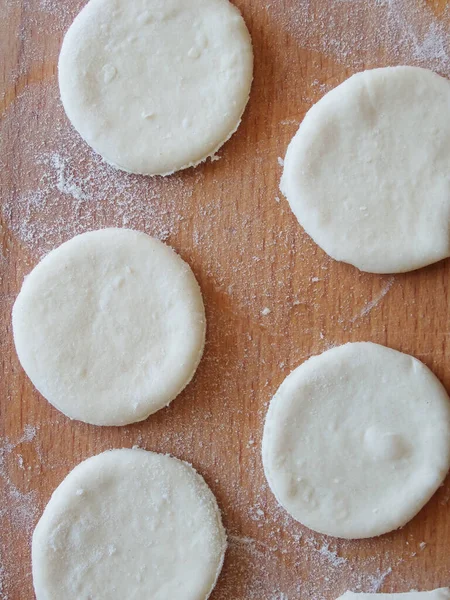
[357,440]
[439,594]
[366,174]
[129,524]
[155,86]
[110,326]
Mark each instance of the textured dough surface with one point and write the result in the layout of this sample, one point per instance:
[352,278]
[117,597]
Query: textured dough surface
[110,326]
[357,440]
[367,173]
[155,86]
[439,594]
[129,524]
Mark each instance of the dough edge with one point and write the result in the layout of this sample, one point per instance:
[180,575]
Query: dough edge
[309,363]
[286,185]
[192,164]
[116,422]
[199,480]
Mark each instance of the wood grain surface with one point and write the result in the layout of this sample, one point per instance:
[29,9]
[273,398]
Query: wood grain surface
[229,221]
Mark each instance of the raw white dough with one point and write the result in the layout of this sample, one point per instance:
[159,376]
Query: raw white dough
[367,173]
[110,326]
[155,86]
[439,594]
[357,440]
[129,524]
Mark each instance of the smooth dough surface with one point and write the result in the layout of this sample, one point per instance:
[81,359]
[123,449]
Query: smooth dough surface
[129,524]
[357,440]
[439,594]
[110,326]
[366,174]
[155,86]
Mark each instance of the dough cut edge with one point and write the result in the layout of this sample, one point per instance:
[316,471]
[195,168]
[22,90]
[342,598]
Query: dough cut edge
[122,423]
[218,513]
[284,186]
[199,479]
[399,270]
[116,422]
[221,529]
[191,164]
[266,441]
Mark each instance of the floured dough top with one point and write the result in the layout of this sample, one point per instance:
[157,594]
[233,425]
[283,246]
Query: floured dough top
[110,326]
[439,594]
[129,524]
[357,440]
[155,86]
[367,173]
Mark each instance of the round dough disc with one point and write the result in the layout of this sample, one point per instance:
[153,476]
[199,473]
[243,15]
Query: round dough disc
[155,86]
[366,174]
[357,440]
[129,524]
[110,326]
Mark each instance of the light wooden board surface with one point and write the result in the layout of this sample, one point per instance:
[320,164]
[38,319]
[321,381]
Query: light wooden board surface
[228,220]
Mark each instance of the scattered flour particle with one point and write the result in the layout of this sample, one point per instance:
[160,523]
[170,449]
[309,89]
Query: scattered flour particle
[29,433]
[266,311]
[332,556]
[65,181]
[280,161]
[422,545]
[378,580]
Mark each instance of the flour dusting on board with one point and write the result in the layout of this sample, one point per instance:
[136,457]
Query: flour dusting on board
[404,31]
[371,304]
[71,189]
[18,509]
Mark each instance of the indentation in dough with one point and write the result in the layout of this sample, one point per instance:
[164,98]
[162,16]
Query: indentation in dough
[309,495]
[167,15]
[201,41]
[385,445]
[341,509]
[109,73]
[194,52]
[145,18]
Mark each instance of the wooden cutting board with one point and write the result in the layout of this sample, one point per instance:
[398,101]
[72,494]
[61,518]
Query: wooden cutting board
[272,297]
